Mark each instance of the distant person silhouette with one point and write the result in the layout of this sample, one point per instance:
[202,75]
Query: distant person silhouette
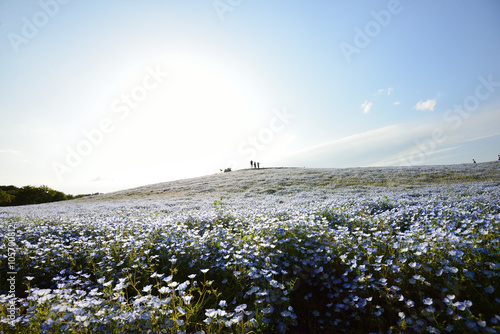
[254,164]
[499,157]
[258,165]
[473,160]
[251,163]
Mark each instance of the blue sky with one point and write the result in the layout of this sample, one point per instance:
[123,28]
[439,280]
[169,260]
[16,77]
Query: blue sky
[100,96]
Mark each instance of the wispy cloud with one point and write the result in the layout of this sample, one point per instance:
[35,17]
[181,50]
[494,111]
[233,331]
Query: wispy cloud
[394,144]
[365,141]
[481,137]
[366,106]
[425,105]
[396,159]
[397,103]
[13,152]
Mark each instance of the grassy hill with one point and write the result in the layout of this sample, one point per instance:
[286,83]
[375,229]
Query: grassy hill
[288,250]
[252,182]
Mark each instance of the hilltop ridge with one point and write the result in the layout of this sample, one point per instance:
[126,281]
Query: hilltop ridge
[276,180]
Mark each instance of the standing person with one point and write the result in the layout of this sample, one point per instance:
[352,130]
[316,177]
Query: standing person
[258,165]
[474,161]
[254,164]
[251,163]
[499,157]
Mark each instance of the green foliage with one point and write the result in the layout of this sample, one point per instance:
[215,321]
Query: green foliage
[218,204]
[5,198]
[11,195]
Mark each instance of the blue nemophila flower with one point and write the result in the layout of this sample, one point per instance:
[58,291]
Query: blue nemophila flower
[182,286]
[428,301]
[460,306]
[240,308]
[431,329]
[378,310]
[181,310]
[204,271]
[268,310]
[413,225]
[238,317]
[222,303]
[468,274]
[164,290]
[211,313]
[81,318]
[395,288]
[471,325]
[147,288]
[489,289]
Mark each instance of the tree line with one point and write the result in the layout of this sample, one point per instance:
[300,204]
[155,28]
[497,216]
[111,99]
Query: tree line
[12,195]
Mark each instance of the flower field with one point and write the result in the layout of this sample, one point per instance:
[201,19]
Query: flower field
[292,257]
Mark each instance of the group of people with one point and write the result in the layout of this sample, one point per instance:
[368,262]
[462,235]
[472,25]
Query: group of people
[254,164]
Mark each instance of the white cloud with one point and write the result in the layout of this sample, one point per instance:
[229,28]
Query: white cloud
[366,106]
[397,103]
[425,105]
[381,91]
